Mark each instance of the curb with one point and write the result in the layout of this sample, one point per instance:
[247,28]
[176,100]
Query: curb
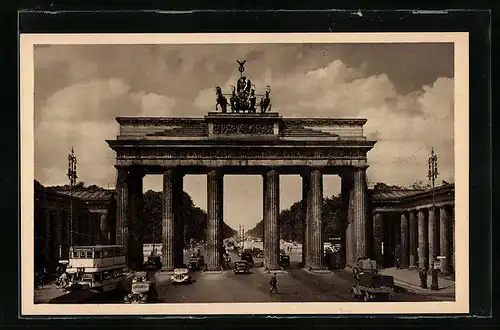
[405,287]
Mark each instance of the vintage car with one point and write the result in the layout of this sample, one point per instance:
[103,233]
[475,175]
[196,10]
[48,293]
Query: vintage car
[182,275]
[284,260]
[153,264]
[241,266]
[369,283]
[141,292]
[246,256]
[194,264]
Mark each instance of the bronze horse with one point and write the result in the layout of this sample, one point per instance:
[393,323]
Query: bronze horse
[265,101]
[221,100]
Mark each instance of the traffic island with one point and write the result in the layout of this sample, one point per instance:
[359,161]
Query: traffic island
[272,271]
[316,271]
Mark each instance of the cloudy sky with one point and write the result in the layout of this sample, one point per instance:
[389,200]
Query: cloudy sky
[404,90]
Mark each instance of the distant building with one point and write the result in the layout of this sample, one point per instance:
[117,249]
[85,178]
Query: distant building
[401,221]
[93,221]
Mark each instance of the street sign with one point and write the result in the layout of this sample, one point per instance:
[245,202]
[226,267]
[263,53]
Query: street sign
[441,257]
[437,264]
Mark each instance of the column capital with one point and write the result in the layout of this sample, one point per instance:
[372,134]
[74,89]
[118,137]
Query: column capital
[176,170]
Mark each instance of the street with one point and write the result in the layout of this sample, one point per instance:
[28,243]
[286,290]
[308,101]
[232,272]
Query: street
[295,285]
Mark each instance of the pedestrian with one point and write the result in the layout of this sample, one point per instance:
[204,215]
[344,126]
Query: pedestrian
[398,256]
[274,284]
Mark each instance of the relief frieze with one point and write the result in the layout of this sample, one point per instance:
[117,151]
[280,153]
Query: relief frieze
[240,153]
[243,128]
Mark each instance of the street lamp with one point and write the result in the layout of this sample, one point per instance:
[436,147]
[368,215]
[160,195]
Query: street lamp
[72,181]
[432,175]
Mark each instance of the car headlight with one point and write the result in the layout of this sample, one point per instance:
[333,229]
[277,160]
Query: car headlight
[129,295]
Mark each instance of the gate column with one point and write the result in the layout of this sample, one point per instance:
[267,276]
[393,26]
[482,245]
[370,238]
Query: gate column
[121,207]
[271,216]
[359,208]
[350,228]
[135,208]
[178,195]
[167,222]
[314,208]
[215,188]
[305,192]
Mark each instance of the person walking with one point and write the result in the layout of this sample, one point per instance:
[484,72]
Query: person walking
[274,284]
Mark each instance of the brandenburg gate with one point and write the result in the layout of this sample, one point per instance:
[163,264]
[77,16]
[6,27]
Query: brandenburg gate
[245,140]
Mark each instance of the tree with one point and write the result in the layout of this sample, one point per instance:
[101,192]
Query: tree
[420,185]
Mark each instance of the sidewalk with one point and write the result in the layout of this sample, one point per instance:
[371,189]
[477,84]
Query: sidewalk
[47,293]
[408,279]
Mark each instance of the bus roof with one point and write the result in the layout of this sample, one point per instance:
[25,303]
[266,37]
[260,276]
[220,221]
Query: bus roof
[98,247]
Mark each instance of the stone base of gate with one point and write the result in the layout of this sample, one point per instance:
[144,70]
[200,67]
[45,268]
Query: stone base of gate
[317,271]
[272,271]
[212,272]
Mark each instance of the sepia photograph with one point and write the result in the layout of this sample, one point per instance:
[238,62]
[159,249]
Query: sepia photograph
[244,174]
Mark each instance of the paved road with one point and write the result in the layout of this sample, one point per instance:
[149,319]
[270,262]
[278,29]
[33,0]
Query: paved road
[295,285]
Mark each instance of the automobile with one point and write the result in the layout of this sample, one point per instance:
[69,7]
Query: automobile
[141,292]
[370,284]
[153,263]
[256,251]
[181,275]
[284,260]
[241,266]
[198,257]
[246,256]
[194,264]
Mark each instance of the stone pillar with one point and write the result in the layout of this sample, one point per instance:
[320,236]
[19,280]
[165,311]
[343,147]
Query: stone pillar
[122,207]
[413,229]
[215,188]
[444,236]
[314,210]
[271,220]
[422,240]
[103,228]
[359,208]
[378,237]
[404,240]
[433,237]
[135,208]
[178,193]
[351,229]
[347,253]
[305,191]
[167,223]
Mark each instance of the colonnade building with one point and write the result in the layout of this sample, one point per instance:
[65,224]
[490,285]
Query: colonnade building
[416,226]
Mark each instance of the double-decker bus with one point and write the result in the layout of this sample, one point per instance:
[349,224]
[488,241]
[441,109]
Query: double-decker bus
[100,267]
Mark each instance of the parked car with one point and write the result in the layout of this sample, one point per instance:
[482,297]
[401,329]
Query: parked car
[182,275]
[246,256]
[141,292]
[241,266]
[284,260]
[153,263]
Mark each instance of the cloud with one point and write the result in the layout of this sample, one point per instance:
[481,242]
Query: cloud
[79,90]
[83,116]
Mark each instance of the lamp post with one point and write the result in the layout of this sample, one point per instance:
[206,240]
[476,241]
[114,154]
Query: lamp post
[72,181]
[432,175]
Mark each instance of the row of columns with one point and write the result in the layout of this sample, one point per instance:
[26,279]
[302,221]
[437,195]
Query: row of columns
[54,232]
[424,234]
[129,199]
